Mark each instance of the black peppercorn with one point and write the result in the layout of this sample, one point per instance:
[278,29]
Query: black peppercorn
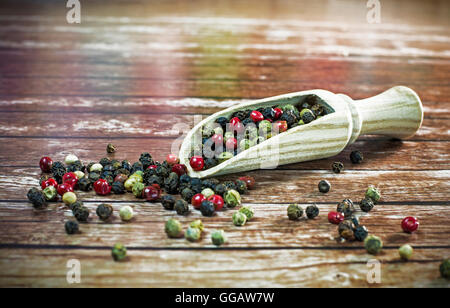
[210,183]
[187,194]
[241,187]
[240,114]
[74,205]
[181,207]
[93,176]
[105,161]
[171,183]
[346,230]
[289,117]
[71,227]
[223,121]
[356,157]
[168,202]
[346,207]
[268,113]
[337,167]
[122,171]
[317,110]
[185,181]
[118,188]
[220,189]
[126,165]
[76,166]
[137,166]
[312,211]
[81,213]
[110,148]
[307,116]
[146,160]
[58,170]
[109,168]
[196,185]
[366,205]
[207,208]
[361,233]
[162,171]
[324,186]
[211,162]
[104,211]
[84,184]
[230,185]
[37,198]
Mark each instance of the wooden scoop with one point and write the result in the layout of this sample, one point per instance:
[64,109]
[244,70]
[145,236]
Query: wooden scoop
[397,112]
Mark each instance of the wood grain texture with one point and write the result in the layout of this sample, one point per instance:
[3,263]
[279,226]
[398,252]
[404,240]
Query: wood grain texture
[132,69]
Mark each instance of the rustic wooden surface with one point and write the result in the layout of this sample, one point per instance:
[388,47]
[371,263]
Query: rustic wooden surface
[133,69]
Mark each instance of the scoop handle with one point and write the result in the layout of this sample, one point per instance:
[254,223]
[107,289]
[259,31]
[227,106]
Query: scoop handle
[397,112]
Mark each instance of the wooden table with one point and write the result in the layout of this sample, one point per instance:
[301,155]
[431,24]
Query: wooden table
[133,69]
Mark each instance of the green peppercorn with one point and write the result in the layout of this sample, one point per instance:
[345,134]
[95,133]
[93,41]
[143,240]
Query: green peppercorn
[110,148]
[232,198]
[79,174]
[239,219]
[71,227]
[173,228]
[405,252]
[300,123]
[337,167]
[137,189]
[168,202]
[224,156]
[294,211]
[366,205]
[181,207]
[207,192]
[312,211]
[129,183]
[241,187]
[218,237]
[197,224]
[361,233]
[138,175]
[81,213]
[346,207]
[126,213]
[248,211]
[373,193]
[345,229]
[119,252]
[69,198]
[50,193]
[265,127]
[246,144]
[324,186]
[373,244]
[104,211]
[96,168]
[192,234]
[444,268]
[356,157]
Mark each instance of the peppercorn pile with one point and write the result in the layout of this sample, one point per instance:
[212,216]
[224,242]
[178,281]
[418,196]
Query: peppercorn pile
[145,179]
[227,137]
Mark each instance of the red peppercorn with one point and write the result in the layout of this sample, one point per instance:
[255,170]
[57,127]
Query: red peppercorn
[197,163]
[151,193]
[281,126]
[335,217]
[217,201]
[235,121]
[197,200]
[256,116]
[236,125]
[231,144]
[278,113]
[217,139]
[410,224]
[70,178]
[172,159]
[152,167]
[63,188]
[102,187]
[249,181]
[49,182]
[45,164]
[156,186]
[179,169]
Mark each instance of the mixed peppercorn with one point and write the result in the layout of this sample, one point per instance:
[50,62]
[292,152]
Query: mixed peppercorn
[229,136]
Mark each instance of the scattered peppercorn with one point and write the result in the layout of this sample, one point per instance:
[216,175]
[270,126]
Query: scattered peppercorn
[119,252]
[81,213]
[312,211]
[232,198]
[218,237]
[294,211]
[69,198]
[373,244]
[192,234]
[324,186]
[366,205]
[346,207]
[173,228]
[75,205]
[50,193]
[410,224]
[197,224]
[220,189]
[337,167]
[207,208]
[249,181]
[104,211]
[168,202]
[239,219]
[335,217]
[444,269]
[126,213]
[248,211]
[356,157]
[241,187]
[110,148]
[405,252]
[71,227]
[36,197]
[346,230]
[373,193]
[361,233]
[181,207]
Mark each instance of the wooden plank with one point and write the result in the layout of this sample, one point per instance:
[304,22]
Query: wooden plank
[219,268]
[21,224]
[290,185]
[379,153]
[165,125]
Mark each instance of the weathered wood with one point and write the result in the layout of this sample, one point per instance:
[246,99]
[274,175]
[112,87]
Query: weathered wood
[219,269]
[21,224]
[379,153]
